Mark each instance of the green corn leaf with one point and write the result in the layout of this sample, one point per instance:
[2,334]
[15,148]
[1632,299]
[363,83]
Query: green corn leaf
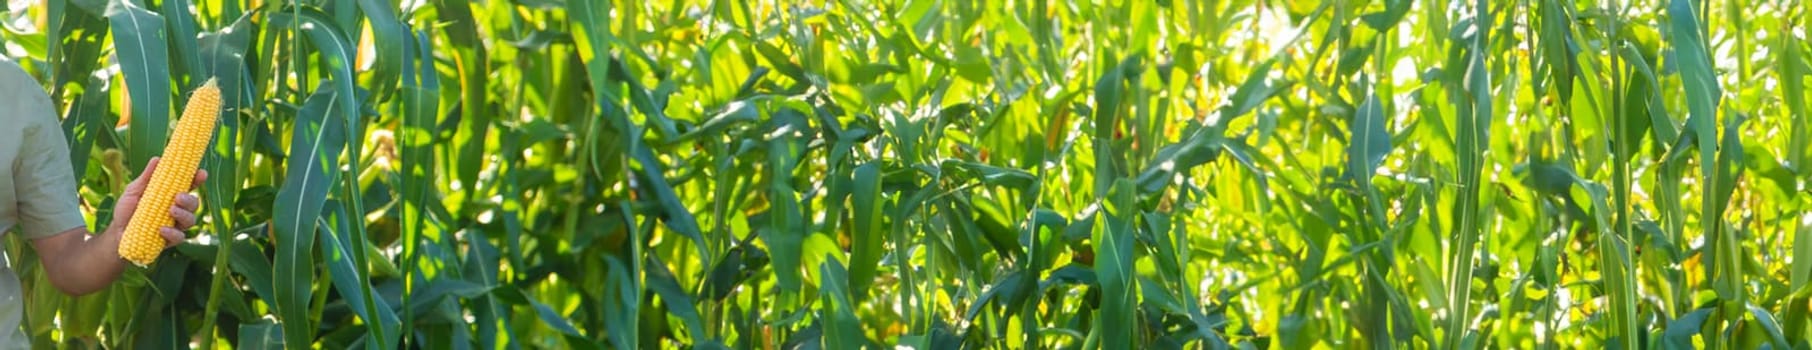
[1114,267]
[144,58]
[867,235]
[1370,142]
[314,167]
[841,328]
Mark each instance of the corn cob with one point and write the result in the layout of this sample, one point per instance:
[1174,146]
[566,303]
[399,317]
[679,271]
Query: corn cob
[175,174]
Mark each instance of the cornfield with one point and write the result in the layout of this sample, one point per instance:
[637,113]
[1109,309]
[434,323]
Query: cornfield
[931,174]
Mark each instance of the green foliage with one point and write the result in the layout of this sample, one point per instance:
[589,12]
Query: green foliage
[946,174]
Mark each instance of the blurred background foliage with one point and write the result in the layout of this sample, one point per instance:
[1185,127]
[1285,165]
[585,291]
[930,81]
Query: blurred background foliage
[944,174]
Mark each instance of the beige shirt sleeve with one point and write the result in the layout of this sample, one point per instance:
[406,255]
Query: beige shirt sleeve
[43,182]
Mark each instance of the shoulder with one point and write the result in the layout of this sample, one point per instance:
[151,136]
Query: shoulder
[28,114]
[18,88]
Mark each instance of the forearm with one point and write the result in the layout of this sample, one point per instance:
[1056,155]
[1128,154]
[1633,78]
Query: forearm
[82,263]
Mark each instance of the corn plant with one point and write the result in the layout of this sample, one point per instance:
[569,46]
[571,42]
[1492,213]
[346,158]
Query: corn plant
[945,174]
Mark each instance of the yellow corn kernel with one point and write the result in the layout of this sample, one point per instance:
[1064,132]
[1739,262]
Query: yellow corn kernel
[175,173]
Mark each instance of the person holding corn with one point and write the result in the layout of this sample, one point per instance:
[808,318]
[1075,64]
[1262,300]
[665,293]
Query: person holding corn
[38,196]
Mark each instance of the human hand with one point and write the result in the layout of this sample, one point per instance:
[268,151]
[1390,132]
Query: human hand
[182,215]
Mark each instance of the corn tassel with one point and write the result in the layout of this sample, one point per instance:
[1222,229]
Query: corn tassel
[174,175]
